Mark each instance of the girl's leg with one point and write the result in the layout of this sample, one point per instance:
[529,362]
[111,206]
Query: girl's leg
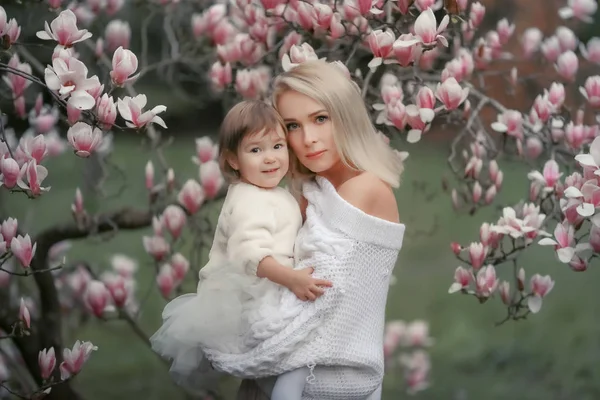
[376,395]
[289,386]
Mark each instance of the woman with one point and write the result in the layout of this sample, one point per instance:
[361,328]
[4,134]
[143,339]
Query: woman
[343,176]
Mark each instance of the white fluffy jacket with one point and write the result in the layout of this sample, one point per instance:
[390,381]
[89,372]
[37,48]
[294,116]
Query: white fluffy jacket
[341,333]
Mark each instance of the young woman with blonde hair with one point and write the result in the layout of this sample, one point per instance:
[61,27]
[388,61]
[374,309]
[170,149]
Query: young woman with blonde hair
[343,175]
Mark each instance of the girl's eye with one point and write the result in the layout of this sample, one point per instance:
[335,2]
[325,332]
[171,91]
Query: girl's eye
[321,119]
[279,146]
[255,150]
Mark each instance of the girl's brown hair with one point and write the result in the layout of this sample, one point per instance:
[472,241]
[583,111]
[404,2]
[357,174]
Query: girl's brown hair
[246,118]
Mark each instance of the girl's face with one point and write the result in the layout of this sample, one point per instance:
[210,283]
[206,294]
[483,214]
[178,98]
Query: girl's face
[310,131]
[262,158]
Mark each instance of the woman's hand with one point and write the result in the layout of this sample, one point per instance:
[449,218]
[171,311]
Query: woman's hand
[304,286]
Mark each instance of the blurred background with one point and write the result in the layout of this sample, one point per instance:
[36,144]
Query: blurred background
[552,355]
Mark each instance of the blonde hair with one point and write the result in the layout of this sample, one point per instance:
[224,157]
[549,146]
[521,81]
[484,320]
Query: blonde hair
[357,141]
[246,118]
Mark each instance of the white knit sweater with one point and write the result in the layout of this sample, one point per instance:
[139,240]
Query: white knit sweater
[341,333]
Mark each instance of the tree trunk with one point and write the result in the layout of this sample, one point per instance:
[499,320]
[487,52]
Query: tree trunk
[249,390]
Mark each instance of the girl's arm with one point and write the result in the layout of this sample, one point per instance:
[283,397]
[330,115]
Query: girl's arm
[300,282]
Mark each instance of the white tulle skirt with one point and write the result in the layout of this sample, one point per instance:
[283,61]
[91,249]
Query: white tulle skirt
[217,317]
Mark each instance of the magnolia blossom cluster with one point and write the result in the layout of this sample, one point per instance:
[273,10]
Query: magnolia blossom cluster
[168,226]
[575,238]
[9,29]
[13,243]
[405,345]
[68,78]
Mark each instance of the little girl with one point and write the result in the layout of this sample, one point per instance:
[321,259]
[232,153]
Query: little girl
[251,257]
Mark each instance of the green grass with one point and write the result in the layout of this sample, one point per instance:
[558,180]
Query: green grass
[552,355]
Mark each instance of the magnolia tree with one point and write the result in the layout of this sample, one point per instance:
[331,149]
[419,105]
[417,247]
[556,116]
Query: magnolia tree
[418,64]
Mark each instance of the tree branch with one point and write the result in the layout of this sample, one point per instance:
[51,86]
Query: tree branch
[46,332]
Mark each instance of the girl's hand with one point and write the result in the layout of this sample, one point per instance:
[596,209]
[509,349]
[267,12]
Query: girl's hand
[305,287]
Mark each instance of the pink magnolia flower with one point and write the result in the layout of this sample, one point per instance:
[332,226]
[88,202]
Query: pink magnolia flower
[427,31]
[462,279]
[582,10]
[417,334]
[594,239]
[106,109]
[540,287]
[486,282]
[556,95]
[131,109]
[75,358]
[17,83]
[124,265]
[84,139]
[117,34]
[23,250]
[426,103]
[8,229]
[298,54]
[96,297]
[488,237]
[477,254]
[548,178]
[24,314]
[510,122]
[156,246]
[9,31]
[504,289]
[591,51]
[180,266]
[591,90]
[220,75]
[63,29]
[476,192]
[395,113]
[34,147]
[46,362]
[149,175]
[165,280]
[563,242]
[588,197]
[206,150]
[211,178]
[117,287]
[70,80]
[77,206]
[9,172]
[567,38]
[406,55]
[174,219]
[567,65]
[381,45]
[505,30]
[322,15]
[191,196]
[393,335]
[531,41]
[476,14]
[124,64]
[451,94]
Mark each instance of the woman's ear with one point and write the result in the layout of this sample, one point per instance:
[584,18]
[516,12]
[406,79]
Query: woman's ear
[232,160]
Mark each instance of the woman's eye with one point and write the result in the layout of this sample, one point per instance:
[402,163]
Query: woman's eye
[321,119]
[291,127]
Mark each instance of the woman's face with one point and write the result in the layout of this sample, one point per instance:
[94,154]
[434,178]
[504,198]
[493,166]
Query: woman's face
[310,131]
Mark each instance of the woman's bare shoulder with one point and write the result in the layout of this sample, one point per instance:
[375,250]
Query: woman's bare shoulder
[371,195]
